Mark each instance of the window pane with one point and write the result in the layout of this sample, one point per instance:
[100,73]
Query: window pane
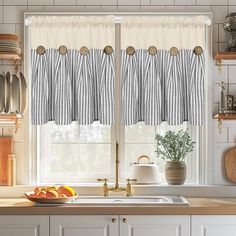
[95,158]
[139,133]
[95,133]
[63,133]
[74,153]
[64,158]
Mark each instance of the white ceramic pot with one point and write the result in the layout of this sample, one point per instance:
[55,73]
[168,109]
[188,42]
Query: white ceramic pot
[145,173]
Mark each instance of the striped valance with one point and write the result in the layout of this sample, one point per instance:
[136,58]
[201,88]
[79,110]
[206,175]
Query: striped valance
[164,86]
[155,87]
[72,87]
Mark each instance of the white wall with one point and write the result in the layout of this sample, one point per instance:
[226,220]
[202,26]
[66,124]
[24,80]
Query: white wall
[11,21]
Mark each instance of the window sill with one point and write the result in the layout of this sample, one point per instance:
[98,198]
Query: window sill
[188,190]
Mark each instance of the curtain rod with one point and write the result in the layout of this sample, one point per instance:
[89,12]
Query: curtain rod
[118,15]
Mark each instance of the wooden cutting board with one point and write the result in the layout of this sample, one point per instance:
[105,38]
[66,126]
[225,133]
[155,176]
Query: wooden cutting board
[230,164]
[5,150]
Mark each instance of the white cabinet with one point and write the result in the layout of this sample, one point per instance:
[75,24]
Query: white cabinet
[210,225]
[24,225]
[86,225]
[165,225]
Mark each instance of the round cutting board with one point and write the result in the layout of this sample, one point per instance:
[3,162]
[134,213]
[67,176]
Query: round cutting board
[230,164]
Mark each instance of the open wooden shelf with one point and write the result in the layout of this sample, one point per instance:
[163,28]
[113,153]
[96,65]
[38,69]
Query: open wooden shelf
[9,56]
[225,56]
[226,116]
[10,120]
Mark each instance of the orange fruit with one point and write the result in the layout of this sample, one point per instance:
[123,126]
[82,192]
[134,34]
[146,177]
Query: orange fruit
[68,191]
[33,195]
[63,195]
[37,190]
[51,194]
[42,194]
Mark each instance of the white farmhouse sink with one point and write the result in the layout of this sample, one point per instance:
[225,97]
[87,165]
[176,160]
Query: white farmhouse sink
[137,200]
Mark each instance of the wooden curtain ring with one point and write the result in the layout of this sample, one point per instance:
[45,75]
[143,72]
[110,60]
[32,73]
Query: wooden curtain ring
[198,50]
[108,50]
[84,50]
[130,50]
[40,50]
[62,49]
[174,51]
[152,50]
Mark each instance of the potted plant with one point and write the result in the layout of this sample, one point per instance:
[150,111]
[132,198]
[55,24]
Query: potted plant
[174,147]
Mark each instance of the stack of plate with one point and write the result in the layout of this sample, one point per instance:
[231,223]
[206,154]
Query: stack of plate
[9,44]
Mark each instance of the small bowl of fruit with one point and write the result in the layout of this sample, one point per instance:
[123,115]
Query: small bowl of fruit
[55,194]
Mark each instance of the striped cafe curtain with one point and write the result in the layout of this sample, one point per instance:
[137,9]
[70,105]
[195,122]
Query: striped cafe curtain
[72,79]
[167,83]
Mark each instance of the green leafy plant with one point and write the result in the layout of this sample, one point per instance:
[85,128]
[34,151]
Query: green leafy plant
[174,146]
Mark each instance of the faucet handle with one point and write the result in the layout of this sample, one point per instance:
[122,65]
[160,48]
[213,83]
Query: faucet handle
[103,180]
[131,180]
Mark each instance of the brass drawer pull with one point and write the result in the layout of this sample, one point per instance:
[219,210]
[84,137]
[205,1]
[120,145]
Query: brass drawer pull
[113,220]
[124,220]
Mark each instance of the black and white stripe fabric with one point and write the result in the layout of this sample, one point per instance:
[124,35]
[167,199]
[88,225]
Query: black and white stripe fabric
[63,91]
[39,89]
[129,88]
[154,88]
[170,89]
[72,87]
[107,90]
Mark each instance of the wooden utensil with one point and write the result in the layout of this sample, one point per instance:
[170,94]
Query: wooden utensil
[230,164]
[5,149]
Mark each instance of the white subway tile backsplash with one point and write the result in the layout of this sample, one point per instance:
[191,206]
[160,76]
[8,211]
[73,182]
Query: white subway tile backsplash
[19,151]
[215,33]
[219,13]
[212,2]
[176,8]
[93,8]
[63,2]
[130,2]
[162,2]
[35,8]
[95,2]
[7,28]
[220,76]
[221,33]
[153,8]
[185,2]
[41,2]
[232,2]
[199,8]
[145,2]
[223,136]
[129,8]
[14,2]
[20,32]
[222,47]
[232,134]
[64,8]
[13,14]
[232,74]
[1,2]
[109,8]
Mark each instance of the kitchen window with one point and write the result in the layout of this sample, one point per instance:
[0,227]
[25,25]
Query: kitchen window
[82,153]
[79,154]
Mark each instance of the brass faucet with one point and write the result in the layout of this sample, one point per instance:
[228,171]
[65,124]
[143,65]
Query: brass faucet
[117,187]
